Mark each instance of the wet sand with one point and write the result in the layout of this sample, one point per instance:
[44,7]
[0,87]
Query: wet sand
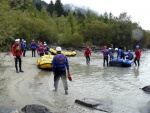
[14,86]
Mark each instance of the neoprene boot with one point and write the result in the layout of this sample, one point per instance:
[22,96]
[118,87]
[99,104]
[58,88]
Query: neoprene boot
[17,69]
[21,70]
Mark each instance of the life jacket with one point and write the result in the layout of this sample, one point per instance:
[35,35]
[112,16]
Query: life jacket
[87,52]
[138,53]
[60,59]
[47,48]
[17,48]
[119,54]
[41,49]
[33,44]
[130,56]
[105,52]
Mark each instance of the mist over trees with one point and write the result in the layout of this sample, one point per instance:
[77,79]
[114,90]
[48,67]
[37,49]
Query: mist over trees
[30,19]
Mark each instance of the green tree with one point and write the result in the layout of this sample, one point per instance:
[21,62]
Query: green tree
[96,32]
[51,8]
[59,8]
[38,5]
[105,17]
[73,24]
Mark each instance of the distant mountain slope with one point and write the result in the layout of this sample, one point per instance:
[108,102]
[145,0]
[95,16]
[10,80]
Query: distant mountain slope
[70,7]
[44,4]
[73,8]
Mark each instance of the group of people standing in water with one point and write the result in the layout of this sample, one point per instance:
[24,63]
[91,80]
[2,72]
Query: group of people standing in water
[109,53]
[60,62]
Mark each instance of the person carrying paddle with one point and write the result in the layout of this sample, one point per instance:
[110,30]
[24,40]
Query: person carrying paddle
[59,66]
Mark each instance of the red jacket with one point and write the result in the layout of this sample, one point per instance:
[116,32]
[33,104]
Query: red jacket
[137,53]
[87,52]
[41,49]
[16,50]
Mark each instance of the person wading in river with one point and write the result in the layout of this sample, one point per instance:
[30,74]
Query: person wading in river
[17,52]
[59,65]
[87,54]
[137,55]
[105,55]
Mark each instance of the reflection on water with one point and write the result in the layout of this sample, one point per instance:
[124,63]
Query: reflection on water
[120,85]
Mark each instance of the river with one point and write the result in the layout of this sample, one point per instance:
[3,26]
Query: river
[35,86]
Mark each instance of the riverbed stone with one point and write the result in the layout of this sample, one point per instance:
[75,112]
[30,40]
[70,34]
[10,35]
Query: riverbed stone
[35,108]
[98,104]
[145,109]
[146,89]
[8,109]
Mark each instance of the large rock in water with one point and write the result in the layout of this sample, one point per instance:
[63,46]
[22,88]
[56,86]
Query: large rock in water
[98,104]
[8,109]
[146,89]
[146,109]
[34,108]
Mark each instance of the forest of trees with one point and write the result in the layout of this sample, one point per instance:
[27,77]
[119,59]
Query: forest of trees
[29,20]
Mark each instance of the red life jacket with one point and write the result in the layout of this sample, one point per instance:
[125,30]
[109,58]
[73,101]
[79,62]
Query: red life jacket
[33,44]
[105,52]
[41,49]
[87,52]
[138,53]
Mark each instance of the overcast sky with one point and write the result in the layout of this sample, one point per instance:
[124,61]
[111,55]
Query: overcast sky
[139,10]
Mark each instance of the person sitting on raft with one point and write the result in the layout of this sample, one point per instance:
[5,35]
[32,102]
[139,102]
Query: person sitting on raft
[130,55]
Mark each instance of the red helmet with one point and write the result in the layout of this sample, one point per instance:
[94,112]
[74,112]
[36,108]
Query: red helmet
[105,47]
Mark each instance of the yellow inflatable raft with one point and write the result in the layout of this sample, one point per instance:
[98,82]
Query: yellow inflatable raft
[70,54]
[45,62]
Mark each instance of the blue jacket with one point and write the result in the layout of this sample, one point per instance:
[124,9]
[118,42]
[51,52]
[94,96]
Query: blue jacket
[130,56]
[105,52]
[33,45]
[23,45]
[47,49]
[120,53]
[55,65]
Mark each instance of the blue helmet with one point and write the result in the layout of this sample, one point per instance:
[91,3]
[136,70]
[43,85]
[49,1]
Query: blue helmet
[137,46]
[129,50]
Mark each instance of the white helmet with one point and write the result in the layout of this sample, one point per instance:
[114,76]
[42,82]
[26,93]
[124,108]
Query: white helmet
[116,49]
[17,40]
[58,48]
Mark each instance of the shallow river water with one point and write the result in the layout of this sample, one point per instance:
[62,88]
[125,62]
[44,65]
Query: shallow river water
[35,86]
